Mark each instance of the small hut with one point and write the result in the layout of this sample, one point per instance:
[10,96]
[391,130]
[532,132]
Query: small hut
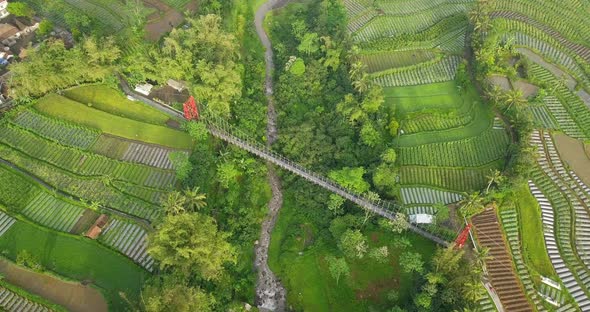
[97,227]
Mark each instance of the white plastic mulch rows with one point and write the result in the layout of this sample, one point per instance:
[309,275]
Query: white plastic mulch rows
[151,155]
[429,72]
[129,239]
[6,222]
[10,301]
[565,121]
[564,273]
[52,212]
[425,195]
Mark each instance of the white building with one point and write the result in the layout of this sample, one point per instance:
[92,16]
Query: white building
[3,11]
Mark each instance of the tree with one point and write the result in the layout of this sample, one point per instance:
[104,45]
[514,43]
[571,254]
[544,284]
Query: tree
[20,9]
[335,203]
[338,267]
[482,255]
[380,254]
[191,243]
[309,44]
[398,225]
[495,177]
[351,178]
[353,244]
[514,98]
[393,127]
[170,294]
[471,205]
[370,136]
[45,27]
[473,290]
[442,212]
[389,156]
[174,203]
[194,199]
[385,178]
[411,262]
[181,164]
[362,83]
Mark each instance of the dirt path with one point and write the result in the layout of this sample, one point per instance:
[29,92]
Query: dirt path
[573,153]
[270,293]
[73,296]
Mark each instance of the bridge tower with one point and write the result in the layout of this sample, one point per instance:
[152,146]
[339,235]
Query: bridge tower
[191,112]
[462,238]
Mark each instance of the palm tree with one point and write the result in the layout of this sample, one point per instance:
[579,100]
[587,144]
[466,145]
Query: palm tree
[362,84]
[482,255]
[195,200]
[495,93]
[514,97]
[174,203]
[356,69]
[471,205]
[473,290]
[495,177]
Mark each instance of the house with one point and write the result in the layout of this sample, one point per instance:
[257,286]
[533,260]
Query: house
[144,89]
[8,34]
[177,85]
[3,9]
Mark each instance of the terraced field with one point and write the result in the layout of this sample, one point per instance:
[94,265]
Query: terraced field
[49,211]
[11,301]
[130,239]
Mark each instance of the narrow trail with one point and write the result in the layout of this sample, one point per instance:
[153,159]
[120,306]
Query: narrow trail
[270,293]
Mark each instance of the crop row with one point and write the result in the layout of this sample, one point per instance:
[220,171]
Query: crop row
[543,117]
[6,222]
[99,12]
[89,188]
[434,122]
[11,301]
[472,152]
[52,212]
[575,107]
[53,129]
[429,72]
[388,26]
[355,8]
[458,179]
[569,22]
[564,120]
[134,151]
[80,162]
[425,195]
[129,239]
[409,7]
[380,61]
[549,52]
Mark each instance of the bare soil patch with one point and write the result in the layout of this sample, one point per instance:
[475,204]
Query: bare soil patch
[88,218]
[375,291]
[73,296]
[527,89]
[500,81]
[573,152]
[162,21]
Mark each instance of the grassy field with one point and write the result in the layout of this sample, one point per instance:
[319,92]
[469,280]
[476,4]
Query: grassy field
[298,255]
[64,108]
[111,101]
[77,258]
[440,96]
[531,229]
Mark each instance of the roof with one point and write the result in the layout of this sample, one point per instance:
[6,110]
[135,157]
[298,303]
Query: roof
[178,85]
[421,218]
[7,31]
[96,228]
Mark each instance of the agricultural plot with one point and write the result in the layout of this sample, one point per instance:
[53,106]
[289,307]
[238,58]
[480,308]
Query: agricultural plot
[56,130]
[76,112]
[564,120]
[129,239]
[11,301]
[83,163]
[471,152]
[52,212]
[458,179]
[393,25]
[6,222]
[100,12]
[509,219]
[89,188]
[440,70]
[381,61]
[411,7]
[433,122]
[542,117]
[420,210]
[425,195]
[135,151]
[568,19]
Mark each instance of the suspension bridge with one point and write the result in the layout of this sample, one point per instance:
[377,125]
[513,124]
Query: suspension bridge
[221,129]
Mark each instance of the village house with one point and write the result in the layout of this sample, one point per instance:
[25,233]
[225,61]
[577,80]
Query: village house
[3,9]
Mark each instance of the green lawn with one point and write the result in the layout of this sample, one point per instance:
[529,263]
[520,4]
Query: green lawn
[531,231]
[441,98]
[64,108]
[113,102]
[305,273]
[77,258]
